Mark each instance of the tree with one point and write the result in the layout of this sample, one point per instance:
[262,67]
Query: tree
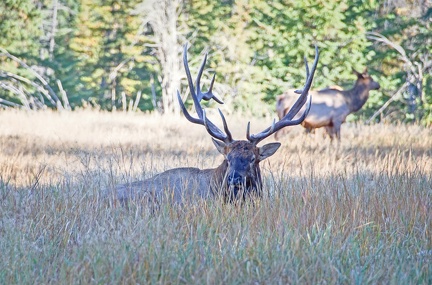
[112,53]
[109,60]
[23,77]
[292,28]
[403,41]
[222,28]
[161,20]
[19,26]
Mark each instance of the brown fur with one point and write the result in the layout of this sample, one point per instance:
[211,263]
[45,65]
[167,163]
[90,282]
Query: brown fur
[239,175]
[330,106]
[242,158]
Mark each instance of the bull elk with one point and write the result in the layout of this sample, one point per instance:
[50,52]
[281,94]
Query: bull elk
[239,175]
[330,106]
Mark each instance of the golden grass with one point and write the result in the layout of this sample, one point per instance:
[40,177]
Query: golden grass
[358,213]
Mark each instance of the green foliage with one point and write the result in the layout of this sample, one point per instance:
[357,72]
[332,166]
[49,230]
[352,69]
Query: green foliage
[409,61]
[103,49]
[19,21]
[19,27]
[291,30]
[105,44]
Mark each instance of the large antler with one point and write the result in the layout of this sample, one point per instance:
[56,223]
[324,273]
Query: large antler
[197,96]
[287,120]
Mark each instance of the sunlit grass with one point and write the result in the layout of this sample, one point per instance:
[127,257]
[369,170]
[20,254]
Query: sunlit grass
[358,213]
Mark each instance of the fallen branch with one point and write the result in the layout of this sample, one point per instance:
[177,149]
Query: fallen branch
[21,95]
[380,38]
[388,102]
[137,99]
[51,95]
[65,99]
[39,88]
[9,103]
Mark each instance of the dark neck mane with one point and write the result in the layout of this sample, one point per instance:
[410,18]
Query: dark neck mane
[218,178]
[218,185]
[357,96]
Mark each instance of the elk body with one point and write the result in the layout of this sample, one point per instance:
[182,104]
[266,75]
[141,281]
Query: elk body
[239,175]
[330,106]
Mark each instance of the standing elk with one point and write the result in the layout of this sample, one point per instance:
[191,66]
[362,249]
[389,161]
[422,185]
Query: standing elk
[239,174]
[330,106]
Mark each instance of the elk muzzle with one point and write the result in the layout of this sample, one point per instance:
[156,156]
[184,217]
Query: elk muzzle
[240,183]
[375,85]
[235,179]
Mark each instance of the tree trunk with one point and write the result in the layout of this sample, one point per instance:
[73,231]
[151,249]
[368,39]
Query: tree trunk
[162,16]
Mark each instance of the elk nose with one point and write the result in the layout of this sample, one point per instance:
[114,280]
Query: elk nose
[235,178]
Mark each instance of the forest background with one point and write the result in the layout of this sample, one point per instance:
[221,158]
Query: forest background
[127,55]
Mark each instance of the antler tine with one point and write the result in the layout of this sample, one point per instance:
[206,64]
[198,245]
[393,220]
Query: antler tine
[306,64]
[287,120]
[227,131]
[269,130]
[185,111]
[218,134]
[198,108]
[302,98]
[197,96]
[307,74]
[198,80]
[209,94]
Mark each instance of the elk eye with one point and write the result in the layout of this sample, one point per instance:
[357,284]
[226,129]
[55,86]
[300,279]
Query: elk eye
[252,160]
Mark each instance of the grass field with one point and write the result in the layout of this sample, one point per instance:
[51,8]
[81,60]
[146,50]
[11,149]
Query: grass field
[360,213]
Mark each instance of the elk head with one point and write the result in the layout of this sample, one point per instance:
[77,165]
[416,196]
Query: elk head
[239,175]
[366,80]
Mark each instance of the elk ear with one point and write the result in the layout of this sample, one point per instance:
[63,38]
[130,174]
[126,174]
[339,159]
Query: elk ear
[358,74]
[268,150]
[365,71]
[220,146]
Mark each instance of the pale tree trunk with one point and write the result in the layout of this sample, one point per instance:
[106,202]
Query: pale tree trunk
[169,53]
[162,16]
[53,30]
[414,68]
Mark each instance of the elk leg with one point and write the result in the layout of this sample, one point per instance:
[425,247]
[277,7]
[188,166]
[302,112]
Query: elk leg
[330,131]
[336,129]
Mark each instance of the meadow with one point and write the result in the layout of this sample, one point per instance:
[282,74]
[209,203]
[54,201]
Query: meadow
[355,213]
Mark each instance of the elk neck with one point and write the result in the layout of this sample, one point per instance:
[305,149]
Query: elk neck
[219,183]
[357,96]
[217,177]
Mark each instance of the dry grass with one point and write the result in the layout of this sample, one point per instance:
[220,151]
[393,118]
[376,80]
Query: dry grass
[360,213]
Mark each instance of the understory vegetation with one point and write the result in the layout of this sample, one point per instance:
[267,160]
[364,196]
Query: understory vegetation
[127,55]
[354,213]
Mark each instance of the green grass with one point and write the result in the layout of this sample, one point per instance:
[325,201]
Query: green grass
[357,214]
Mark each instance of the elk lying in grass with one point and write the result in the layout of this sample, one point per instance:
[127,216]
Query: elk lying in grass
[330,106]
[239,174]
